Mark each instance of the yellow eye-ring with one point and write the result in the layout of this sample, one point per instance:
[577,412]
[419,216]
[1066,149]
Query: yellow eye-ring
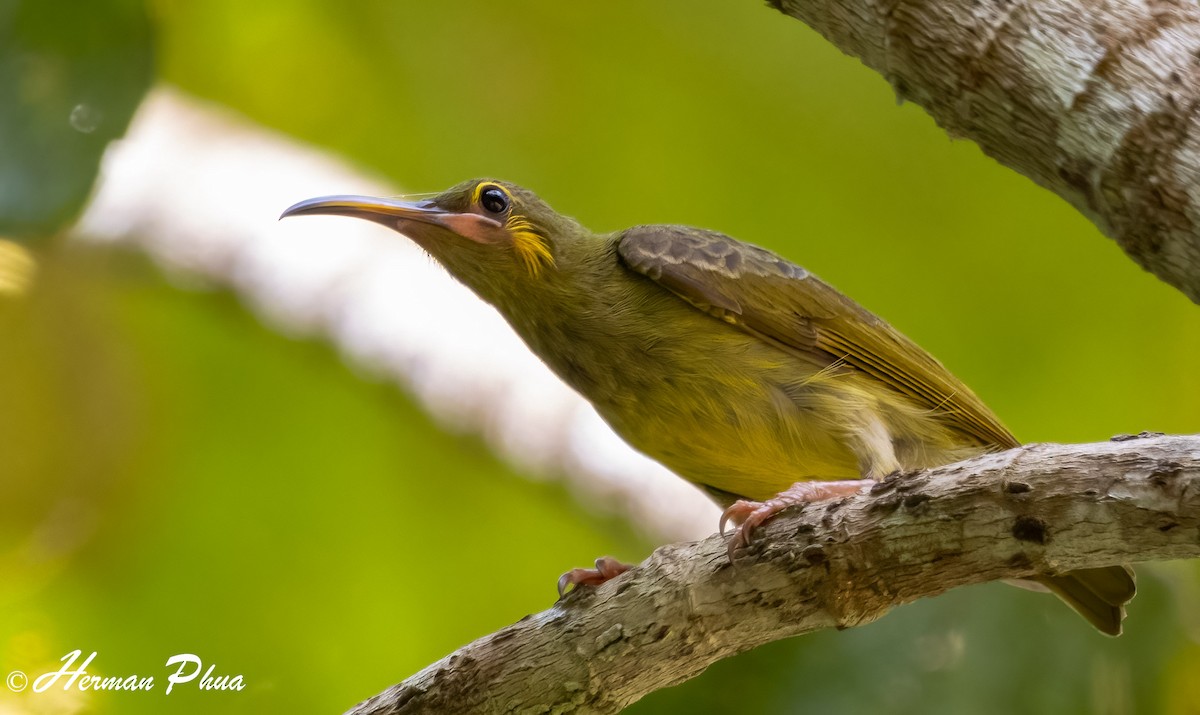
[494,199]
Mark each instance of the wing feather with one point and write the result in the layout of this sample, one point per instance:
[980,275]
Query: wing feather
[768,296]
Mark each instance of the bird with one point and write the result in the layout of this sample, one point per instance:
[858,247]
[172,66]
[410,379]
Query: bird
[737,369]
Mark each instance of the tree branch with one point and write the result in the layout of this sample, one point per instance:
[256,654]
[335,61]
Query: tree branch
[839,564]
[1094,101]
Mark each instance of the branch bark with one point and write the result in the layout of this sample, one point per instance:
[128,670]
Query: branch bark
[1034,509]
[1094,101]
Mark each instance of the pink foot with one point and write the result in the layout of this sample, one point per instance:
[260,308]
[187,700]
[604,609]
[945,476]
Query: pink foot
[752,514]
[606,568]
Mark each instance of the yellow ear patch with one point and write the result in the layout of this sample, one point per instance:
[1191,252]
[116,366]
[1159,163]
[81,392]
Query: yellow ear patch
[530,243]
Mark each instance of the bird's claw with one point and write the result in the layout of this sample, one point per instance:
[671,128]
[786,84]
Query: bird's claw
[749,515]
[752,514]
[607,568]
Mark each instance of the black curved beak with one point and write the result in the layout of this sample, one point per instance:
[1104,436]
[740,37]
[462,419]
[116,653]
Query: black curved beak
[392,212]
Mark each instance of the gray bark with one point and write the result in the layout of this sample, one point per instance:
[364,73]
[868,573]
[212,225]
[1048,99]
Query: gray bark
[839,564]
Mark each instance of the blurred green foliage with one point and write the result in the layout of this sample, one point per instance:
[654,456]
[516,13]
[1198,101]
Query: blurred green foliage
[177,478]
[71,76]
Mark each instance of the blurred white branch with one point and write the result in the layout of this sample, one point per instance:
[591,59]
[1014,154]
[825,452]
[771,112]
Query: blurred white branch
[201,190]
[1094,101]
[839,564]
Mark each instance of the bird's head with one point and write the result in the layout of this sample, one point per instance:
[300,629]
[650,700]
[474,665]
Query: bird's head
[494,236]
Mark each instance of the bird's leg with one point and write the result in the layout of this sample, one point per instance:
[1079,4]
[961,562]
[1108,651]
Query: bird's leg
[752,514]
[606,568]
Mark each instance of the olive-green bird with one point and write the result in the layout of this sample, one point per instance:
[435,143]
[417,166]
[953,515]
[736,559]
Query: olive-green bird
[737,369]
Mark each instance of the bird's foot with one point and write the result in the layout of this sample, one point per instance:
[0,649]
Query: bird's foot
[750,515]
[607,568]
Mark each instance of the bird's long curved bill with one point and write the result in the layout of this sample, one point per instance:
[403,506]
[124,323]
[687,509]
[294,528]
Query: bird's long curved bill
[392,211]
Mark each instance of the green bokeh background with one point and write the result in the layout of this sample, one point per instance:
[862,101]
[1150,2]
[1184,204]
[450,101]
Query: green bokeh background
[176,477]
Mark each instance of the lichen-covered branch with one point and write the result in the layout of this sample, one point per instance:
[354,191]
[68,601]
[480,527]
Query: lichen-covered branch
[1096,101]
[1035,509]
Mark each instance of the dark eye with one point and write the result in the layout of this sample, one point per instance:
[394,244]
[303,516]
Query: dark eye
[494,200]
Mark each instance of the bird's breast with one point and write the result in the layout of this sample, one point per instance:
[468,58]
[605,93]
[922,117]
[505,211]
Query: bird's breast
[707,400]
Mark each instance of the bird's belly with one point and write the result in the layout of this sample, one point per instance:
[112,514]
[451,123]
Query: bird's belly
[728,410]
[733,427]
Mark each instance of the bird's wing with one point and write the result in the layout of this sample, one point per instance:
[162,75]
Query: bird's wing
[768,296]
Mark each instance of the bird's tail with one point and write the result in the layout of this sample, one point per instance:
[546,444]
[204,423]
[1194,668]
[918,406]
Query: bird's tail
[1099,595]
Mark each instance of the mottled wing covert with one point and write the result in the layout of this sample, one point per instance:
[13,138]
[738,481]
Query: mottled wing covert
[770,297]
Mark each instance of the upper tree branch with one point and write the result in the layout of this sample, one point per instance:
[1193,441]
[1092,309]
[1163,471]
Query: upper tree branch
[1034,509]
[1095,101]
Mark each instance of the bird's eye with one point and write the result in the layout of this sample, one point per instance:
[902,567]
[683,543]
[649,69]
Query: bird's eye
[494,200]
